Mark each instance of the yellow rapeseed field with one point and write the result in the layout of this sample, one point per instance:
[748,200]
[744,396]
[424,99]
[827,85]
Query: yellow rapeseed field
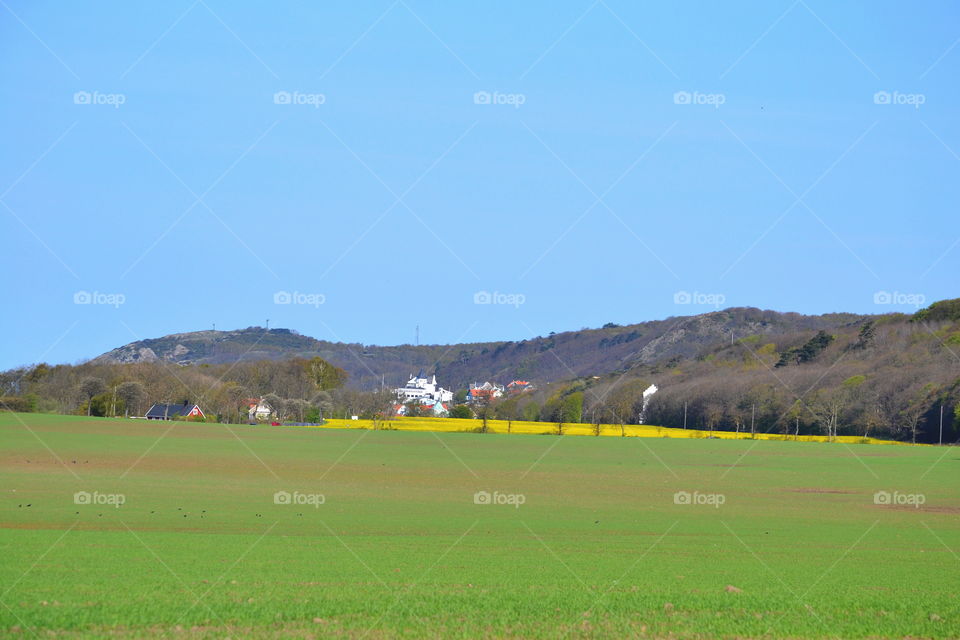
[453,425]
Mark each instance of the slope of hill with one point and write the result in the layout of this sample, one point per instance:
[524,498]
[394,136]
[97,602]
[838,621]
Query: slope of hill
[558,356]
[740,369]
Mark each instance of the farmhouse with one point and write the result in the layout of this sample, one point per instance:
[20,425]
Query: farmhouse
[419,388]
[173,411]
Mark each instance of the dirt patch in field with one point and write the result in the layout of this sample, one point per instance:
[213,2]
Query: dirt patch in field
[236,463]
[820,490]
[722,466]
[922,508]
[879,455]
[91,527]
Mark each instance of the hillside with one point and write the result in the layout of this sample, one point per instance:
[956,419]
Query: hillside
[740,369]
[559,356]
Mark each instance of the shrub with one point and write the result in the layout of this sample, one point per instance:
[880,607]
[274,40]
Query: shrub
[461,411]
[17,403]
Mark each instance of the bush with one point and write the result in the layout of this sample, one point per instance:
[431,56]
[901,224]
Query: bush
[461,411]
[18,403]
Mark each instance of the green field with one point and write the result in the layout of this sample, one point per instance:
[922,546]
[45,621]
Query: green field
[598,548]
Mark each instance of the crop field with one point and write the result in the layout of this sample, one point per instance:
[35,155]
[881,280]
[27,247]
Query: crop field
[132,529]
[468,425]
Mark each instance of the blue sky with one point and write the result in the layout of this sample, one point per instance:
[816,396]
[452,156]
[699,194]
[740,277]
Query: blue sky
[170,166]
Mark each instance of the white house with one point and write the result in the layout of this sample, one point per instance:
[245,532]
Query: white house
[259,409]
[418,387]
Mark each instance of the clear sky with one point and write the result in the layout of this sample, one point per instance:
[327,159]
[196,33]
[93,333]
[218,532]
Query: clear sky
[353,170]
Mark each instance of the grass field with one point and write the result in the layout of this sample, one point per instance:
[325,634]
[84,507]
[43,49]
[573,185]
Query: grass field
[582,537]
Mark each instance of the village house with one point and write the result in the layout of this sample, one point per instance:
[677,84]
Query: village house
[174,411]
[519,386]
[481,393]
[429,407]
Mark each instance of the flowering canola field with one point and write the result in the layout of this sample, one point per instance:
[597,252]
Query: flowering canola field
[461,425]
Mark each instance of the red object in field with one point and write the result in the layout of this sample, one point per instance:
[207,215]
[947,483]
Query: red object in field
[274,424]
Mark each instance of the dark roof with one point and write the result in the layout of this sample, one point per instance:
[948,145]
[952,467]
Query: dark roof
[169,410]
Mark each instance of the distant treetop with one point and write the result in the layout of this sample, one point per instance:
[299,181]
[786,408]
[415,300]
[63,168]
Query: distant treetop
[942,310]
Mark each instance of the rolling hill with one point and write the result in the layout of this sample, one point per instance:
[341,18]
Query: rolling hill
[559,356]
